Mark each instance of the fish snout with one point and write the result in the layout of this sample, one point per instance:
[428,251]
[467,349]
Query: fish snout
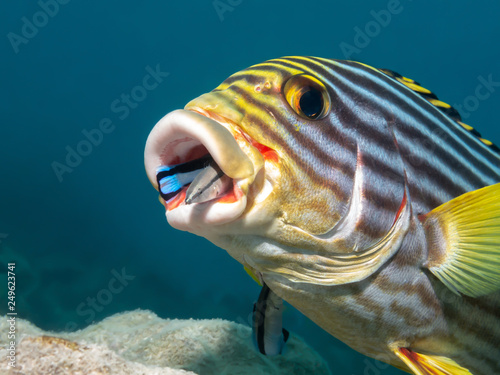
[202,167]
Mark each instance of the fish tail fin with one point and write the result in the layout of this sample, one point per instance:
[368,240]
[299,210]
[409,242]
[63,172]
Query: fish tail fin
[285,335]
[169,184]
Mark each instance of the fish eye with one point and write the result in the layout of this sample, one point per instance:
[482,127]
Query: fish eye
[307,96]
[311,102]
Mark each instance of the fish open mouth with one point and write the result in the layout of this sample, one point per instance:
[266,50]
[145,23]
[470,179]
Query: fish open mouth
[202,168]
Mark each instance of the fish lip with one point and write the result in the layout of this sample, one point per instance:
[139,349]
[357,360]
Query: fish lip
[184,126]
[182,131]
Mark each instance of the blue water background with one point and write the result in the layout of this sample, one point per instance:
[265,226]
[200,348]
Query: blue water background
[70,237]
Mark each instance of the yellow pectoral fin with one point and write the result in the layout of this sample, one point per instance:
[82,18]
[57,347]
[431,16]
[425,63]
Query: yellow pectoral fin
[464,242]
[422,364]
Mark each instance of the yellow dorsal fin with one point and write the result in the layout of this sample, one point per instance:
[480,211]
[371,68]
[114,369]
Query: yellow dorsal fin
[442,106]
[463,236]
[252,275]
[422,364]
[424,93]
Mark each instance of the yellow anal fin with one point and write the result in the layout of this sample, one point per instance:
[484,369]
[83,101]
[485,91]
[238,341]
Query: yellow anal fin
[463,237]
[422,364]
[252,275]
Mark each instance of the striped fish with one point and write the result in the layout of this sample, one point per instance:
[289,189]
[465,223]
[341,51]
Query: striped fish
[358,197]
[268,334]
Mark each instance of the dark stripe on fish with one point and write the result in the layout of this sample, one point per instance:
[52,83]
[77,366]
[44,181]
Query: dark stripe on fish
[190,166]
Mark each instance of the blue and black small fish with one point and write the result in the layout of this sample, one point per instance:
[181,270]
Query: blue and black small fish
[354,194]
[172,178]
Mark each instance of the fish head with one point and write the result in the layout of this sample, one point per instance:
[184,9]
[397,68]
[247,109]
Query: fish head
[297,195]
